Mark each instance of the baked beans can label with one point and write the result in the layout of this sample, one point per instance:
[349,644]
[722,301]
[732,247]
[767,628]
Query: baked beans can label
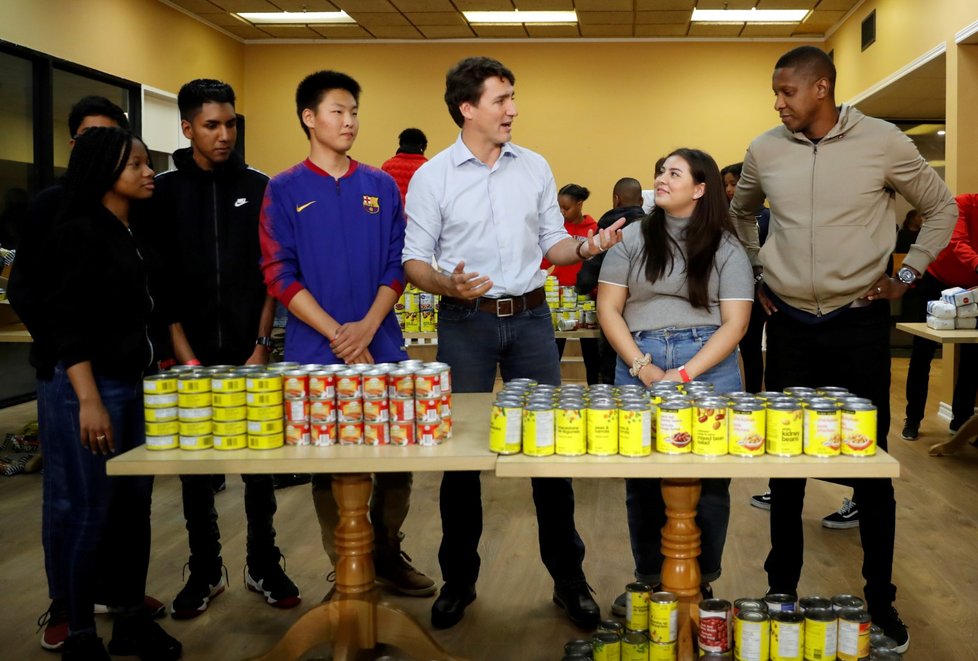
[444,375]
[264,383]
[784,429]
[160,384]
[428,410]
[204,442]
[673,427]
[376,410]
[637,606]
[427,383]
[261,413]
[265,441]
[322,411]
[350,433]
[168,442]
[858,430]
[538,430]
[165,400]
[375,384]
[823,430]
[161,415]
[349,410]
[570,429]
[298,433]
[168,428]
[752,636]
[322,385]
[194,400]
[230,399]
[427,434]
[747,428]
[233,428]
[710,423]
[635,646]
[662,651]
[714,633]
[634,431]
[401,409]
[266,398]
[324,434]
[297,410]
[821,635]
[787,636]
[402,433]
[445,402]
[227,383]
[505,428]
[663,617]
[349,384]
[295,384]
[260,427]
[602,429]
[234,442]
[190,383]
[376,433]
[400,383]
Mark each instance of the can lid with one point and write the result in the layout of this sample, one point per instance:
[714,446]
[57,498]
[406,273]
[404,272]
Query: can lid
[747,405]
[856,406]
[783,404]
[820,615]
[635,637]
[791,617]
[638,587]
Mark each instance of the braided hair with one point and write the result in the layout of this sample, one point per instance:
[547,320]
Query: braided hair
[98,158]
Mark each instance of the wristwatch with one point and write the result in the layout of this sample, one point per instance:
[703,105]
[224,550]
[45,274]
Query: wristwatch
[906,275]
[264,341]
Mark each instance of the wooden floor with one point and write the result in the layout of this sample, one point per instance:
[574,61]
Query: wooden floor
[936,567]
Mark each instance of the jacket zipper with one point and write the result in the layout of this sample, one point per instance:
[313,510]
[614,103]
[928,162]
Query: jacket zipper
[818,305]
[217,257]
[152,303]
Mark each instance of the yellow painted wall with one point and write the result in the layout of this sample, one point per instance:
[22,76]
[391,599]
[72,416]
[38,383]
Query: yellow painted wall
[596,111]
[142,40]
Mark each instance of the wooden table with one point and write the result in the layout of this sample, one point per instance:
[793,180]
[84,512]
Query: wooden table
[949,341]
[354,619]
[11,330]
[681,492]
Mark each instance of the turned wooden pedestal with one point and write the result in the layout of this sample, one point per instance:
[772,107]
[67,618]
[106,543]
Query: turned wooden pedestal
[680,549]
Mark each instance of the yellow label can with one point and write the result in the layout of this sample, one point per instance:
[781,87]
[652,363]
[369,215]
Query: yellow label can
[747,419]
[663,617]
[199,428]
[204,442]
[165,400]
[637,606]
[607,647]
[227,383]
[662,651]
[752,636]
[853,642]
[266,441]
[505,427]
[602,428]
[635,646]
[230,413]
[232,442]
[710,424]
[265,413]
[570,429]
[194,400]
[787,636]
[262,427]
[634,430]
[195,415]
[168,428]
[193,382]
[264,383]
[170,442]
[823,430]
[674,427]
[821,634]
[858,430]
[160,384]
[230,428]
[784,428]
[264,398]
[161,415]
[230,399]
[538,430]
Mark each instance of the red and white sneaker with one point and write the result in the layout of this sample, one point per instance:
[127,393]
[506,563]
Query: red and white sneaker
[55,623]
[154,607]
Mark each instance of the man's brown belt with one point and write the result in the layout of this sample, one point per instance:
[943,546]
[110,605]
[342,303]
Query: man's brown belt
[502,307]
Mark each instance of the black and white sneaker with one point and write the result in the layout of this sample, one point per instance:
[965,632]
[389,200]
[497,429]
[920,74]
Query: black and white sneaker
[197,594]
[272,583]
[761,501]
[911,430]
[891,624]
[843,518]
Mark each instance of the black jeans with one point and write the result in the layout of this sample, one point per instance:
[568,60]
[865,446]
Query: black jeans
[851,350]
[965,387]
[205,536]
[474,343]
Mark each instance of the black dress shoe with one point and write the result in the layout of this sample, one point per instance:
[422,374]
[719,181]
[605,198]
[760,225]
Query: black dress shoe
[581,608]
[449,607]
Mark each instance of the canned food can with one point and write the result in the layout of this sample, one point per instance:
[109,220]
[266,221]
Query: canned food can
[295,384]
[323,434]
[663,651]
[177,370]
[261,413]
[427,383]
[297,410]
[445,427]
[637,606]
[427,410]
[193,382]
[349,384]
[203,442]
[232,428]
[570,428]
[505,427]
[265,441]
[400,383]
[663,617]
[376,410]
[674,427]
[858,430]
[426,322]
[607,647]
[840,602]
[787,636]
[376,433]
[161,415]
[428,434]
[230,399]
[350,433]
[777,602]
[602,428]
[167,442]
[227,383]
[444,375]
[195,415]
[634,429]
[402,433]
[710,424]
[198,428]
[322,384]
[165,400]
[823,430]
[235,442]
[635,646]
[282,366]
[835,392]
[298,433]
[821,635]
[853,643]
[264,398]
[160,384]
[194,400]
[806,603]
[401,409]
[800,391]
[748,604]
[752,636]
[375,384]
[260,382]
[747,417]
[784,428]
[611,626]
[714,633]
[349,410]
[582,648]
[445,402]
[322,411]
[265,427]
[538,430]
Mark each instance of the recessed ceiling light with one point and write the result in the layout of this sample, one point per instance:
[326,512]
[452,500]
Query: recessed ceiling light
[295,17]
[516,16]
[942,132]
[749,15]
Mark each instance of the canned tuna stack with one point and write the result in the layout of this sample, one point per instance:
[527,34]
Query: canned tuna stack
[263,394]
[195,413]
[230,410]
[160,412]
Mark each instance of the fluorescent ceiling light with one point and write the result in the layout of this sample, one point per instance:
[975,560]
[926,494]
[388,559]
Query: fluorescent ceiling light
[941,132]
[749,15]
[295,17]
[516,16]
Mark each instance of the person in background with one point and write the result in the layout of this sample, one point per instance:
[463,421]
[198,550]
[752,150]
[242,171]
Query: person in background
[332,230]
[626,202]
[494,312]
[206,219]
[648,196]
[29,280]
[412,144]
[674,300]
[829,173]
[907,234]
[101,346]
[956,266]
[571,200]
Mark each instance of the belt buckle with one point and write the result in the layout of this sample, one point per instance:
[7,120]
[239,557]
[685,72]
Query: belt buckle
[499,312]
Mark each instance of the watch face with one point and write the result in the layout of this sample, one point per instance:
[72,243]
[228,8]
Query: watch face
[906,276]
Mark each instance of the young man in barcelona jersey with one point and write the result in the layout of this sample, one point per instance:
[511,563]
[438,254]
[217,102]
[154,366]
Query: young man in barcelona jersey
[332,231]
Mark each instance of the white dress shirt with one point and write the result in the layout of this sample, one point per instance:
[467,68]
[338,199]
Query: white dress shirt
[499,220]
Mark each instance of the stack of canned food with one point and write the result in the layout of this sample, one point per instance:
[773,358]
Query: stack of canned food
[568,309]
[265,407]
[679,418]
[417,311]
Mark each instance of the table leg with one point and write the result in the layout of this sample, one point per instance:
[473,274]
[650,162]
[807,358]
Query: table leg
[681,548]
[353,620]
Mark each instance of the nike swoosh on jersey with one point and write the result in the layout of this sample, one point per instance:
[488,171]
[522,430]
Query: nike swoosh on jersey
[240,202]
[300,207]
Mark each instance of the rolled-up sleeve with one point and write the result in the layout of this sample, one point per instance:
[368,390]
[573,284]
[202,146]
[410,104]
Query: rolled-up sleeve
[424,218]
[551,221]
[279,258]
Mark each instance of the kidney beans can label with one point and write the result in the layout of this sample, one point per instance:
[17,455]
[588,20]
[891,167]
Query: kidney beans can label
[634,430]
[714,633]
[324,434]
[505,428]
[402,433]
[784,429]
[859,430]
[674,427]
[823,430]
[602,429]
[570,429]
[322,412]
[710,423]
[747,429]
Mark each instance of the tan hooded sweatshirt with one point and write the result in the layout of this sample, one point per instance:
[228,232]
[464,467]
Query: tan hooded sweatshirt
[833,223]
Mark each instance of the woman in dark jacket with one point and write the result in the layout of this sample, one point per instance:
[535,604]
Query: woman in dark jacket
[101,303]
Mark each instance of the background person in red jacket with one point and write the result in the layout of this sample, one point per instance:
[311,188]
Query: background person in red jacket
[407,160]
[955,266]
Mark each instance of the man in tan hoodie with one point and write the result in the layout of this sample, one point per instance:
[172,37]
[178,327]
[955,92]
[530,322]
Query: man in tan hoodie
[829,174]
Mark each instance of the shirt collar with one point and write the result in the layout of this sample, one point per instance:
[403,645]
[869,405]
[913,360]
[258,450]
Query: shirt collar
[462,154]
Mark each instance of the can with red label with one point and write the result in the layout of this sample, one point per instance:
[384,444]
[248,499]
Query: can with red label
[349,410]
[349,384]
[427,433]
[298,433]
[295,384]
[401,409]
[444,375]
[350,433]
[428,410]
[297,410]
[427,383]
[322,384]
[375,410]
[402,433]
[376,433]
[446,404]
[446,428]
[714,633]
[322,411]
[323,434]
[400,383]
[375,384]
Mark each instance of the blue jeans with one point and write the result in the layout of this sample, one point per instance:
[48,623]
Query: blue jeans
[671,348]
[474,343]
[104,521]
